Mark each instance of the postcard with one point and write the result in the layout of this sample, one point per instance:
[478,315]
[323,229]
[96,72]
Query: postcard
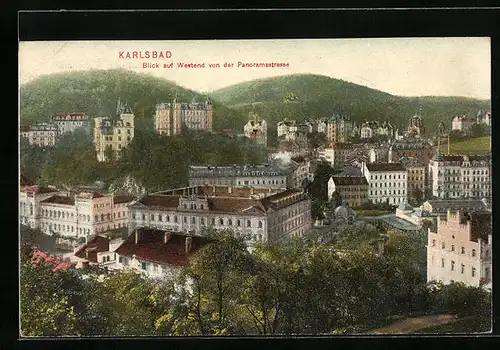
[256,188]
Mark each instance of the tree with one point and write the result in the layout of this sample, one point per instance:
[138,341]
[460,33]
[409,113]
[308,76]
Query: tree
[479,130]
[316,139]
[109,154]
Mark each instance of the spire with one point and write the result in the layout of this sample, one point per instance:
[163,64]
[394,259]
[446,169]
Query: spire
[118,106]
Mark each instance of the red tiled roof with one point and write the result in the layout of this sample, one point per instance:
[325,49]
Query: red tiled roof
[98,244]
[60,200]
[151,247]
[160,201]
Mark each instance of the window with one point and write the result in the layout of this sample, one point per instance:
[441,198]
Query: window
[473,252]
[462,269]
[221,222]
[462,250]
[230,222]
[452,248]
[487,273]
[103,259]
[442,262]
[143,217]
[238,223]
[213,221]
[120,259]
[175,218]
[248,223]
[155,268]
[473,272]
[260,224]
[107,258]
[452,266]
[160,218]
[185,219]
[144,265]
[442,245]
[193,220]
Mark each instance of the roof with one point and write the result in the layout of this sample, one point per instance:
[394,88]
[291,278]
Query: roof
[234,170]
[409,162]
[151,247]
[349,180]
[98,244]
[456,204]
[68,200]
[57,264]
[70,116]
[123,199]
[239,200]
[385,167]
[349,171]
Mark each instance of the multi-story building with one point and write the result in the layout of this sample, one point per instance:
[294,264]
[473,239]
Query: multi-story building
[378,153]
[83,214]
[71,122]
[258,176]
[196,116]
[321,126]
[337,155]
[301,172]
[441,206]
[411,147]
[289,130]
[459,249]
[387,182]
[416,173]
[460,176]
[338,129]
[370,129]
[352,189]
[113,133]
[99,250]
[256,130]
[483,118]
[29,204]
[41,134]
[256,214]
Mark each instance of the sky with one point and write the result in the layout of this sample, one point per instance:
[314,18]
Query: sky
[399,66]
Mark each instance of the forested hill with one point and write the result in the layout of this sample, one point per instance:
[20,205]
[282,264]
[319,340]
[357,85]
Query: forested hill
[319,96]
[95,92]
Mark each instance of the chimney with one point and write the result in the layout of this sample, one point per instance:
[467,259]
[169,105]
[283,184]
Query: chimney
[251,190]
[188,244]
[136,236]
[229,189]
[166,237]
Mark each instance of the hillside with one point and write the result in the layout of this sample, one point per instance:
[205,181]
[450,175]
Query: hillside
[470,146]
[95,92]
[320,96]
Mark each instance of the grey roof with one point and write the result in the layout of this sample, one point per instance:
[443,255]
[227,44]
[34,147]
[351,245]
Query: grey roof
[349,171]
[236,170]
[344,211]
[457,204]
[405,206]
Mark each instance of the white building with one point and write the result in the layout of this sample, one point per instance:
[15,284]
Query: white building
[29,204]
[41,134]
[462,123]
[387,182]
[83,214]
[327,155]
[71,122]
[460,249]
[256,214]
[460,176]
[256,130]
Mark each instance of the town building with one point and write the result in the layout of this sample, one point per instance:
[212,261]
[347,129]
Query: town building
[301,172]
[371,129]
[196,116]
[29,204]
[387,182]
[337,155]
[416,216]
[354,190]
[290,130]
[483,118]
[257,176]
[72,121]
[338,129]
[98,251]
[460,176]
[157,254]
[256,130]
[416,128]
[441,206]
[416,174]
[462,123]
[459,250]
[257,214]
[113,134]
[411,147]
[83,214]
[40,134]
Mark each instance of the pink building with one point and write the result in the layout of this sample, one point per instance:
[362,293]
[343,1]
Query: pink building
[460,249]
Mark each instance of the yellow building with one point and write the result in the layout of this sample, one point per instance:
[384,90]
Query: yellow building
[114,133]
[416,174]
[170,117]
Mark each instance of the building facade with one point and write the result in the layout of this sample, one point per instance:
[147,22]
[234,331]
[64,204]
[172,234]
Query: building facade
[113,133]
[388,183]
[29,204]
[338,129]
[257,176]
[256,130]
[462,123]
[460,249]
[353,190]
[441,206]
[411,147]
[416,128]
[196,116]
[41,134]
[72,121]
[460,176]
[83,214]
[255,214]
[416,174]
